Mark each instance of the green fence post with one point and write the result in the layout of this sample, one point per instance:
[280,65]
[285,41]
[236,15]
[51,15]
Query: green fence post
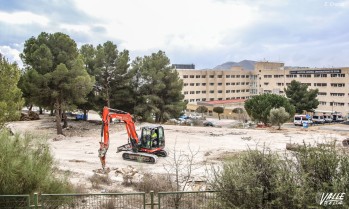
[152,199]
[36,200]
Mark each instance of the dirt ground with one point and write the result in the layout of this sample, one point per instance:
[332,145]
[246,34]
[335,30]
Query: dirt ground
[77,152]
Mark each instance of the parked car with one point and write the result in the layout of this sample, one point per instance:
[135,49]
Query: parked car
[318,119]
[338,118]
[298,120]
[328,118]
[208,123]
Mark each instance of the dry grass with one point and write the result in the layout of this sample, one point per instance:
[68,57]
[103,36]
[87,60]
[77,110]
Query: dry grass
[97,180]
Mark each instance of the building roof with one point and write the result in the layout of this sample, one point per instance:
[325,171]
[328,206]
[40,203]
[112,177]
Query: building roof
[221,102]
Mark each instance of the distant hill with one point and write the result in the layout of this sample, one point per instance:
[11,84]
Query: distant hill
[245,64]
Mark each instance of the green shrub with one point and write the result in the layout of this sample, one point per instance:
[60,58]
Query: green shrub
[263,179]
[26,166]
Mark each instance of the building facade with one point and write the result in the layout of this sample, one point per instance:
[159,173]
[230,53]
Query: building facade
[267,77]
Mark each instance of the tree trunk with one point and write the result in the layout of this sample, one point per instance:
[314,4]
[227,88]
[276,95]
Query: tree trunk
[219,116]
[40,110]
[85,115]
[30,107]
[65,120]
[58,117]
[51,112]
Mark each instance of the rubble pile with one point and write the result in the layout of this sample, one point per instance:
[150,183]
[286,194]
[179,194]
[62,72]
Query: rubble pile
[30,116]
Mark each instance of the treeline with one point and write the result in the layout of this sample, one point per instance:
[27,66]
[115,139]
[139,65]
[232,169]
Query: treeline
[58,76]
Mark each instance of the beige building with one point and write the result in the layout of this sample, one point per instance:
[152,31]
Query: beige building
[267,77]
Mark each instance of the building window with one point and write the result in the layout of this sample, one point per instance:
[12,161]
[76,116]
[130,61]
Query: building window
[185,84]
[242,83]
[266,83]
[220,91]
[268,76]
[219,76]
[191,84]
[242,76]
[185,76]
[232,91]
[186,100]
[233,76]
[211,91]
[191,76]
[198,100]
[219,84]
[211,84]
[322,103]
[203,99]
[227,76]
[337,75]
[197,84]
[220,98]
[192,100]
[227,91]
[192,92]
[308,84]
[203,76]
[337,84]
[211,99]
[227,84]
[237,83]
[197,76]
[211,76]
[247,90]
[242,90]
[228,98]
[322,94]
[185,92]
[203,92]
[233,84]
[203,84]
[237,76]
[337,94]
[237,91]
[197,92]
[247,83]
[247,76]
[291,76]
[320,84]
[278,76]
[305,76]
[280,84]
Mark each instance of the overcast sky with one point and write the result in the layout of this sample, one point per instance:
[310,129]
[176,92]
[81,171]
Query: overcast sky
[206,33]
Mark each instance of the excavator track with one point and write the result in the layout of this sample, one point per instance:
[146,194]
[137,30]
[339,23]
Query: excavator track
[140,157]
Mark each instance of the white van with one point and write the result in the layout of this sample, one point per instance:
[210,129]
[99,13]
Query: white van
[298,120]
[328,118]
[318,119]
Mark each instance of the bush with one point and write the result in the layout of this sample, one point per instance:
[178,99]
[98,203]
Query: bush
[26,166]
[154,182]
[262,179]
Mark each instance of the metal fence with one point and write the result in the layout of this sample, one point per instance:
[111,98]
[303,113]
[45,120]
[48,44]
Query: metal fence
[163,200]
[14,201]
[188,200]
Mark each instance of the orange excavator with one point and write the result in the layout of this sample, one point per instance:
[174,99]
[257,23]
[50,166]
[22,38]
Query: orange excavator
[144,149]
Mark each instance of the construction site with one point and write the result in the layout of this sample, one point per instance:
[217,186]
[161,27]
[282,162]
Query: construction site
[76,152]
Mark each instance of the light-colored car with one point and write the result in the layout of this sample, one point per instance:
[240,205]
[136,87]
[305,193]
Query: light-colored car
[328,118]
[318,119]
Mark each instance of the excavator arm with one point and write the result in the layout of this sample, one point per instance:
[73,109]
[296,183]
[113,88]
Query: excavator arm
[107,115]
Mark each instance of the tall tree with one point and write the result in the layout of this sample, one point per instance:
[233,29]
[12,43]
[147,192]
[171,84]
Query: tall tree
[56,60]
[278,116]
[11,101]
[301,97]
[93,101]
[258,107]
[159,88]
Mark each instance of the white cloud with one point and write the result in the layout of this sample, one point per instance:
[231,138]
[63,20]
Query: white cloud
[11,54]
[23,18]
[142,25]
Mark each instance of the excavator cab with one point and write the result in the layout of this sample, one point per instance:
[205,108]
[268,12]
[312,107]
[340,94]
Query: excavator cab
[155,142]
